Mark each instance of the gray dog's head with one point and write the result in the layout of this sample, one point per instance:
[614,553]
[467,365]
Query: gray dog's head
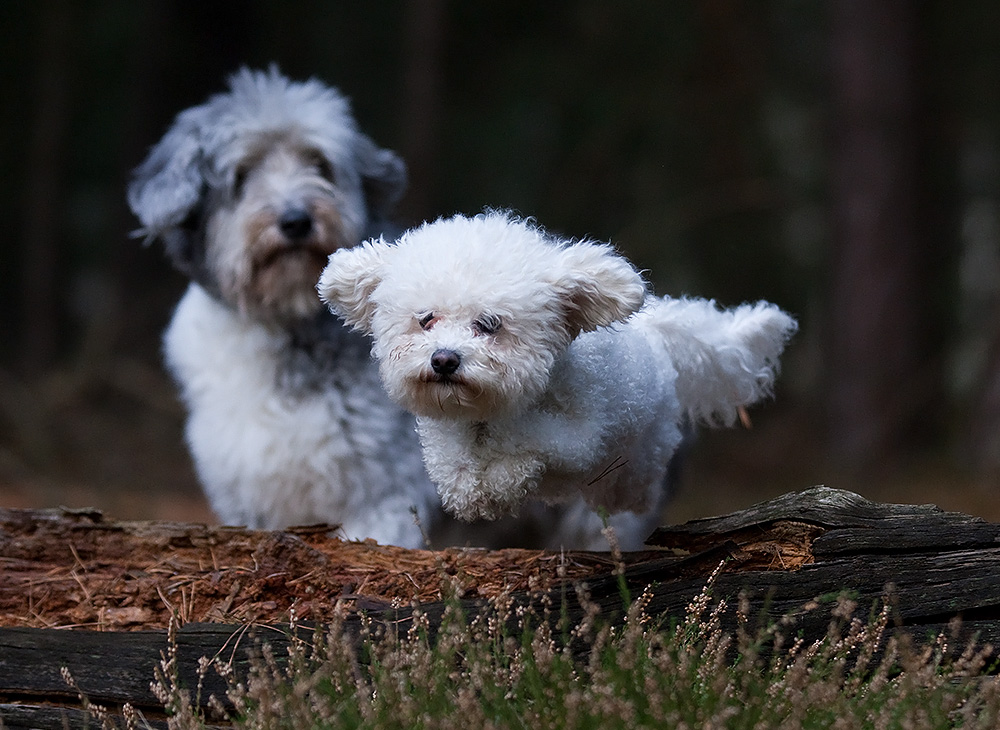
[251,191]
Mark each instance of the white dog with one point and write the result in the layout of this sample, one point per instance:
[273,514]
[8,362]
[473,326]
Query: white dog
[540,369]
[250,193]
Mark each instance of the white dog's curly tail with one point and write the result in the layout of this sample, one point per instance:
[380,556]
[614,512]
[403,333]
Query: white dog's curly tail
[725,359]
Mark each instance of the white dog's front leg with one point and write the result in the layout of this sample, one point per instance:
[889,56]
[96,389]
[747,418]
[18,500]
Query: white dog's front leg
[477,472]
[576,450]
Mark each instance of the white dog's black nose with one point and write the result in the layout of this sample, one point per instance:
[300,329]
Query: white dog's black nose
[445,362]
[295,223]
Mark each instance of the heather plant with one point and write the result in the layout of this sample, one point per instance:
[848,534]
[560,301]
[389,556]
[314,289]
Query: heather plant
[517,667]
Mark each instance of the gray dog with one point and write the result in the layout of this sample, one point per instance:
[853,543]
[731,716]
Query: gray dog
[288,424]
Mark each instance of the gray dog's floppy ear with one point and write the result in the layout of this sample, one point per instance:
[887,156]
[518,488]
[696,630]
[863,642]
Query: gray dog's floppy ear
[347,282]
[169,184]
[167,189]
[598,286]
[383,177]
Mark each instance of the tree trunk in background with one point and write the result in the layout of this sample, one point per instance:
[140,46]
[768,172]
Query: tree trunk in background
[42,208]
[878,377]
[984,422]
[422,102]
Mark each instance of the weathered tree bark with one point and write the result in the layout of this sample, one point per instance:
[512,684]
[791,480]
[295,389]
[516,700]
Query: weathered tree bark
[785,556]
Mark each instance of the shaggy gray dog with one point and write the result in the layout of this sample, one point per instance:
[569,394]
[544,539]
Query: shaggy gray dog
[250,193]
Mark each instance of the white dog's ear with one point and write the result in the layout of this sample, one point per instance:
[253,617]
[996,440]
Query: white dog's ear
[598,286]
[350,277]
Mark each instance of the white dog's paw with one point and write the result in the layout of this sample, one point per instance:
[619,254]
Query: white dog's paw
[481,504]
[492,490]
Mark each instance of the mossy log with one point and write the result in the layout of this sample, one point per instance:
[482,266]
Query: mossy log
[94,596]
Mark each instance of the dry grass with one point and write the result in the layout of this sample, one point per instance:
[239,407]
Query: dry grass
[511,668]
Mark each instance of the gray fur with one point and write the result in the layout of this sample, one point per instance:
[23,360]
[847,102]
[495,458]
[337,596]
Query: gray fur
[190,170]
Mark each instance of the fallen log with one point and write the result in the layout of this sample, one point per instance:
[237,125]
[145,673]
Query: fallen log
[71,583]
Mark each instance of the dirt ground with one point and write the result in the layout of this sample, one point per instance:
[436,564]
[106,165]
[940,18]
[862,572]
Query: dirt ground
[78,570]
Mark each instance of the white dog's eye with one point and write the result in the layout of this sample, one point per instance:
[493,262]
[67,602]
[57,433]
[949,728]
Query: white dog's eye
[426,321]
[488,324]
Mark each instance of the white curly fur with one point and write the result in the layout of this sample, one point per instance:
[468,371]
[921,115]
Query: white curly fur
[538,368]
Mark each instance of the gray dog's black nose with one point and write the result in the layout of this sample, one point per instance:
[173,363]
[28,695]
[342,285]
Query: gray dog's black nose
[445,362]
[295,223]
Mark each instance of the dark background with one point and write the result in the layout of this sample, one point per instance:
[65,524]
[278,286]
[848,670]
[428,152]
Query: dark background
[840,158]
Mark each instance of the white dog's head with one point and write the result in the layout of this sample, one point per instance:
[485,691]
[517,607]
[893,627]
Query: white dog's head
[252,191]
[468,315]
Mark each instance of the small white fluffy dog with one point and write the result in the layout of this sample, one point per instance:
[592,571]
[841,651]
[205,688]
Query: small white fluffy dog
[250,193]
[539,368]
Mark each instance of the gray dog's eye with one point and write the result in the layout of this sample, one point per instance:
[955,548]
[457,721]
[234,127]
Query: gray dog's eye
[240,179]
[326,170]
[488,324]
[323,166]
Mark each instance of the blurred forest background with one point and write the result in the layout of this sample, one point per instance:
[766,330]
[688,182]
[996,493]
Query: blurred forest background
[838,157]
